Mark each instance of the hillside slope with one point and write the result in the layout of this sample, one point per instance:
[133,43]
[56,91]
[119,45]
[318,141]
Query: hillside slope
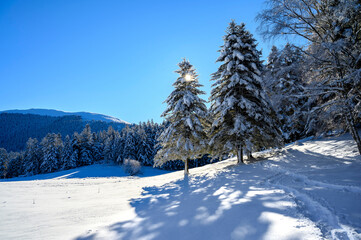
[309,190]
[87,116]
[16,128]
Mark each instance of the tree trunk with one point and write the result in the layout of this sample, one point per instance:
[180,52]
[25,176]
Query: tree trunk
[186,167]
[353,131]
[240,155]
[249,155]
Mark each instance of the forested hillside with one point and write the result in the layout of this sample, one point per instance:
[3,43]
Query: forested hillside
[16,129]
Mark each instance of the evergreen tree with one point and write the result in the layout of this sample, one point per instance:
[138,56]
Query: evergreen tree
[86,145]
[241,114]
[286,90]
[150,143]
[15,165]
[67,160]
[75,144]
[130,144]
[4,160]
[109,145]
[74,158]
[97,148]
[185,137]
[118,148]
[32,157]
[143,149]
[51,147]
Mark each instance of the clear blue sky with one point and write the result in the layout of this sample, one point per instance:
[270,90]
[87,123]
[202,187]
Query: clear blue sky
[113,57]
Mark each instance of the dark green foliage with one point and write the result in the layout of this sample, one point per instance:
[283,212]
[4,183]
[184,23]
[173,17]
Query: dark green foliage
[16,129]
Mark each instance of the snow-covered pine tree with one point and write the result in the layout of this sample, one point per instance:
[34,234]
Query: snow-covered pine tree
[86,144]
[142,147]
[67,159]
[32,157]
[240,111]
[74,158]
[284,85]
[75,144]
[185,137]
[97,148]
[130,144]
[151,141]
[109,150]
[51,146]
[4,159]
[15,164]
[118,149]
[272,64]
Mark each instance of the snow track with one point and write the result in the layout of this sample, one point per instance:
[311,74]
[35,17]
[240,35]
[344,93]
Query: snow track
[312,206]
[302,178]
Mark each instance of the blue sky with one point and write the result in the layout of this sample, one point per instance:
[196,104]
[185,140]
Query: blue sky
[110,56]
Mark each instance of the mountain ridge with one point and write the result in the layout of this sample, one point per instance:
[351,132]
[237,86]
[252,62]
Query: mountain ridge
[17,128]
[88,116]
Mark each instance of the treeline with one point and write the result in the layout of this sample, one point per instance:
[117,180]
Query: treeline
[138,142]
[16,129]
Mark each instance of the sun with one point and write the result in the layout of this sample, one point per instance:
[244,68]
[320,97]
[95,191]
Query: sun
[188,77]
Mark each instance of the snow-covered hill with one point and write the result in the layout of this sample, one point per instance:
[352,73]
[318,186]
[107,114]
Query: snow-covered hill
[57,113]
[308,190]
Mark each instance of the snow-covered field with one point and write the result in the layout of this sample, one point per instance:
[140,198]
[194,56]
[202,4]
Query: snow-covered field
[308,190]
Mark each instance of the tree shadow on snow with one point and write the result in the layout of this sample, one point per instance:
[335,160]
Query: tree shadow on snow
[91,171]
[233,205]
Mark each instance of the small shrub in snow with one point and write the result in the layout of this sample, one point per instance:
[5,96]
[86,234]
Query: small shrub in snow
[131,167]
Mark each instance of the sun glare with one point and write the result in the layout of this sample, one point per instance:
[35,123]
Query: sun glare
[188,77]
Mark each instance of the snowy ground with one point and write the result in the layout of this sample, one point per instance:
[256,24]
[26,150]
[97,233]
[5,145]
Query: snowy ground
[309,190]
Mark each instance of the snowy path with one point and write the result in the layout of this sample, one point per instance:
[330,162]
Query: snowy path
[317,208]
[307,191]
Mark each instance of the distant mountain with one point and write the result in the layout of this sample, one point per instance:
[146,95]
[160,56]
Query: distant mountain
[17,128]
[87,116]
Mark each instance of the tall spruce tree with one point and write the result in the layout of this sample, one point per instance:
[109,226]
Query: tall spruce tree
[86,144]
[240,111]
[75,144]
[130,144]
[67,159]
[142,148]
[15,165]
[185,136]
[286,90]
[109,151]
[32,157]
[97,148]
[150,143]
[52,146]
[4,160]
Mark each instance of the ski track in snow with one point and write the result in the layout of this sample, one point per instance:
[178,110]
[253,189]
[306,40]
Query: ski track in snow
[315,208]
[307,181]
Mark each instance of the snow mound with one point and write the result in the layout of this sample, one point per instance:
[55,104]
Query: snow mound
[57,113]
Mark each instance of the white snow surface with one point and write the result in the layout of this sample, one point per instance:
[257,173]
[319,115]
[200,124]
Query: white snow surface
[307,190]
[58,113]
